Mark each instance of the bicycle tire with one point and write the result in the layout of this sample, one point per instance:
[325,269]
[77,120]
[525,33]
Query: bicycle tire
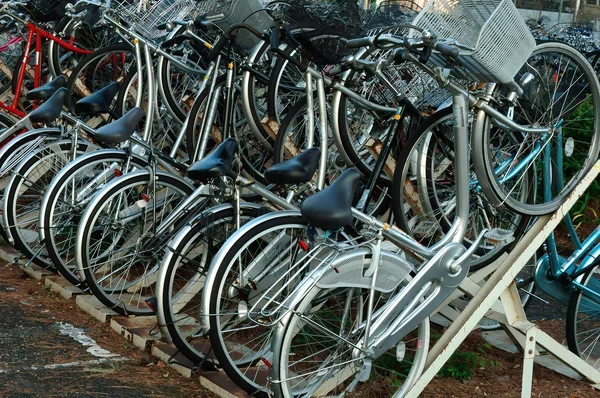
[13,153]
[239,369]
[84,36]
[57,198]
[326,345]
[583,323]
[186,261]
[422,206]
[550,63]
[24,192]
[87,79]
[254,158]
[118,272]
[291,141]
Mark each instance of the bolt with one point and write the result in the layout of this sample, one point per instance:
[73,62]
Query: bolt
[530,338]
[455,268]
[530,352]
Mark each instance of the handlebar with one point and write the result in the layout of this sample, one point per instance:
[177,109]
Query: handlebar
[389,41]
[218,47]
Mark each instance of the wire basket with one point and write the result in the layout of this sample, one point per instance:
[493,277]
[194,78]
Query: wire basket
[225,13]
[323,28]
[416,86]
[389,13]
[145,15]
[46,10]
[495,31]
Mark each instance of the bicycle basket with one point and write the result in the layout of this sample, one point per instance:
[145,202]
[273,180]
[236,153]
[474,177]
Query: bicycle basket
[46,10]
[500,40]
[389,13]
[323,28]
[225,13]
[145,15]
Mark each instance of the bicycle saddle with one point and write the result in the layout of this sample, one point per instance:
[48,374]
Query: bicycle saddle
[332,207]
[47,90]
[296,170]
[121,129]
[216,164]
[98,102]
[50,109]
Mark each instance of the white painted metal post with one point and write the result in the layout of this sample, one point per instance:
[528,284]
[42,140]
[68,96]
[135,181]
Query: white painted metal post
[528,361]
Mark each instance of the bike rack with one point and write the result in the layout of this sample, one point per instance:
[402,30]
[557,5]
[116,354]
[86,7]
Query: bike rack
[510,313]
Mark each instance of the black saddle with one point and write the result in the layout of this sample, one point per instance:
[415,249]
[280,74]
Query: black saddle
[296,170]
[49,110]
[47,90]
[98,102]
[121,129]
[216,164]
[332,207]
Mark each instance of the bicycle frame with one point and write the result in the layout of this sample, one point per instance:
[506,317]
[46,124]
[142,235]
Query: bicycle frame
[567,272]
[35,33]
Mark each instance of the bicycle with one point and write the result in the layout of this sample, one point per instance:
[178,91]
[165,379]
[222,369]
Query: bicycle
[443,247]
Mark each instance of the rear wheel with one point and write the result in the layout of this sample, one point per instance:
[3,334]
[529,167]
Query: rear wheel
[65,200]
[116,249]
[183,271]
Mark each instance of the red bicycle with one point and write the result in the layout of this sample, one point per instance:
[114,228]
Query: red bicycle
[67,42]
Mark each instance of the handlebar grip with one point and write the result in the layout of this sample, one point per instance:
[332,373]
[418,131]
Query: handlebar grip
[8,26]
[446,49]
[162,26]
[275,37]
[360,42]
[200,22]
[92,15]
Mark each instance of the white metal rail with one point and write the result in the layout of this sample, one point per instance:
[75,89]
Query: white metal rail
[500,285]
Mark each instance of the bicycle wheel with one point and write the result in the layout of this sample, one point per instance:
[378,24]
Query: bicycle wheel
[110,64]
[249,263]
[316,347]
[182,275]
[24,192]
[424,195]
[583,320]
[287,85]
[115,247]
[292,139]
[15,151]
[363,131]
[255,159]
[66,197]
[82,35]
[254,89]
[563,95]
[179,87]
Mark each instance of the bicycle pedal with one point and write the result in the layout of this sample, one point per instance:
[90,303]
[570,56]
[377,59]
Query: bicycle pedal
[499,236]
[425,228]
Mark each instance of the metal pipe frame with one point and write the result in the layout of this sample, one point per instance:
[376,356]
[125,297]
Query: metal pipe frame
[498,285]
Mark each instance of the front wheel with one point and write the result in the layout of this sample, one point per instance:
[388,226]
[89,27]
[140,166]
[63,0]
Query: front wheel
[563,95]
[583,320]
[315,348]
[182,275]
[66,197]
